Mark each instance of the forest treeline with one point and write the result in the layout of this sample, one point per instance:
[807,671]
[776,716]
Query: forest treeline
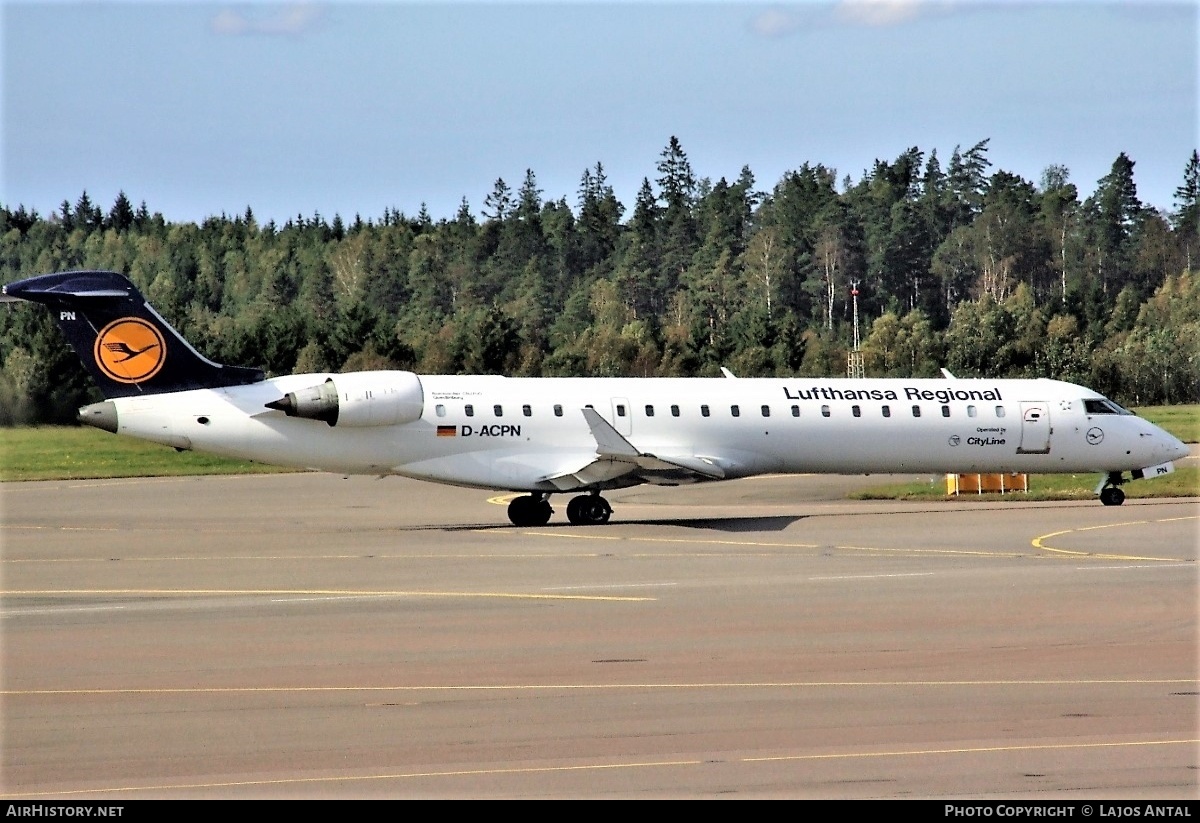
[957,266]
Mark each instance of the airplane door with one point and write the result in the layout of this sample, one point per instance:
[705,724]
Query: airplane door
[622,416]
[1035,428]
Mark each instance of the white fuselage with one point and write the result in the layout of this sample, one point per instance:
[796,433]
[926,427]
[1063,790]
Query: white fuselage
[518,433]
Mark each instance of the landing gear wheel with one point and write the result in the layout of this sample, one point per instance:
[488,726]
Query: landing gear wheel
[1112,496]
[575,510]
[528,510]
[588,510]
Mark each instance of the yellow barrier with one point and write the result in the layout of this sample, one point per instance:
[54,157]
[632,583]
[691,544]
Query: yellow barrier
[986,483]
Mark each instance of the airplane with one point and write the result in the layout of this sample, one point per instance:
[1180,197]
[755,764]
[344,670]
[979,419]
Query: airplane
[577,435]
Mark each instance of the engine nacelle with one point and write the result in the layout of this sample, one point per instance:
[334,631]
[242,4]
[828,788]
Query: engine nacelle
[364,398]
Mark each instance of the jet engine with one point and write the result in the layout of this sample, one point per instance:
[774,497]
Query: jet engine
[365,398]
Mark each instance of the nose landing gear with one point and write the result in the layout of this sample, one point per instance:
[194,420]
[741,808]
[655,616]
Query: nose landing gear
[1110,490]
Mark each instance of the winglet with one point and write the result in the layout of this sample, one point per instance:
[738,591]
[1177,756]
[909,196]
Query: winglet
[728,373]
[946,374]
[609,442]
[610,445]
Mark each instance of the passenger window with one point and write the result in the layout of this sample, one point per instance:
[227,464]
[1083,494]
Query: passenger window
[766,411]
[887,411]
[795,410]
[824,411]
[525,410]
[441,410]
[620,410]
[498,410]
[945,411]
[856,411]
[999,411]
[558,410]
[649,411]
[704,411]
[735,411]
[916,411]
[971,411]
[674,411]
[469,410]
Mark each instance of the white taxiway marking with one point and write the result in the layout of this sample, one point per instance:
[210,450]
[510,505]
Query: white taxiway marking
[871,576]
[610,586]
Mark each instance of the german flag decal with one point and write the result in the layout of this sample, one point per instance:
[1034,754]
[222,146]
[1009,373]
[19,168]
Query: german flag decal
[447,431]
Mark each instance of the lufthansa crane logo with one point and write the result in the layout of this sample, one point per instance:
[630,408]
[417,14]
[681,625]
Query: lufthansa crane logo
[130,350]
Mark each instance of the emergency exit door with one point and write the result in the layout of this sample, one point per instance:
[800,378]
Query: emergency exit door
[1035,428]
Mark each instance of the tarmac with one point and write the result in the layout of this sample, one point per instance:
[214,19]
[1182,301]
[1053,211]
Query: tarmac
[312,636]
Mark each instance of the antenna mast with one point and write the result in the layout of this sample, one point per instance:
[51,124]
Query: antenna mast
[854,360]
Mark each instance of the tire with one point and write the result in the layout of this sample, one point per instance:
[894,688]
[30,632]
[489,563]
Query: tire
[527,510]
[575,511]
[588,510]
[596,510]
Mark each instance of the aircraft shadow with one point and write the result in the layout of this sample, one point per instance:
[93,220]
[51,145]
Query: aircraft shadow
[776,523]
[729,524]
[723,524]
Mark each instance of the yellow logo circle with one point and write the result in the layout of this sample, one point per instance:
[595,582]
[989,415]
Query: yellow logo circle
[130,350]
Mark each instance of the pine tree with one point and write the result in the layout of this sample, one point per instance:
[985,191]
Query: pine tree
[1186,219]
[499,203]
[677,182]
[87,214]
[968,182]
[1117,213]
[120,216]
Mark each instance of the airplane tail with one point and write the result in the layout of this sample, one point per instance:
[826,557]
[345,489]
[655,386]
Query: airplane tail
[125,345]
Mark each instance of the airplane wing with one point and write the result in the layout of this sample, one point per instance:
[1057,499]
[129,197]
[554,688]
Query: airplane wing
[617,457]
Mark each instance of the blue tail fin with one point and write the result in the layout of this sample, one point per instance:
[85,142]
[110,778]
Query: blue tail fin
[125,345]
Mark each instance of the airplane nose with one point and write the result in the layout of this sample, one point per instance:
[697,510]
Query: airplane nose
[1177,449]
[1168,447]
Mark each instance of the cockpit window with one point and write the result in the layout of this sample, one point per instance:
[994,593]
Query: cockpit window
[1103,406]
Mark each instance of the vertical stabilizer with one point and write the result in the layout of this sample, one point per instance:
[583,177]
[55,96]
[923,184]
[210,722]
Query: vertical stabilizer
[125,345]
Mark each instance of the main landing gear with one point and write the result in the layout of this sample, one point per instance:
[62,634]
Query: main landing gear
[535,510]
[1110,490]
[588,510]
[530,510]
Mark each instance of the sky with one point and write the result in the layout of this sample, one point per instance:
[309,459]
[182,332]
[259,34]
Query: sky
[351,108]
